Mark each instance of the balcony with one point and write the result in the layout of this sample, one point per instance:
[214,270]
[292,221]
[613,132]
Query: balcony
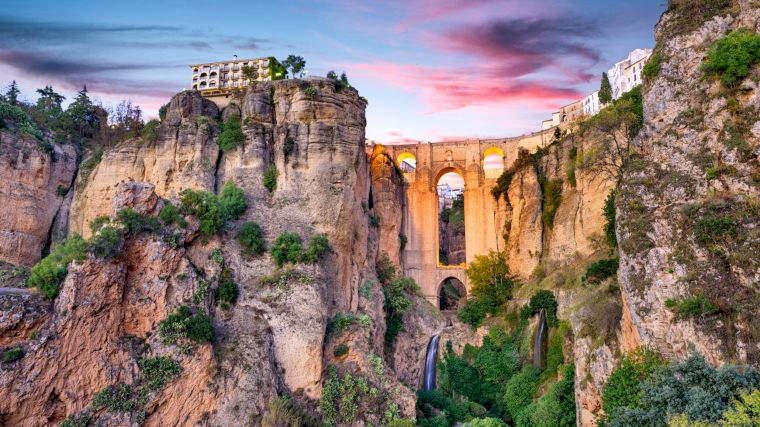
[235,76]
[236,68]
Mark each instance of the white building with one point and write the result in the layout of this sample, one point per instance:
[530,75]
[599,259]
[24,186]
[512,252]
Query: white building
[626,74]
[591,104]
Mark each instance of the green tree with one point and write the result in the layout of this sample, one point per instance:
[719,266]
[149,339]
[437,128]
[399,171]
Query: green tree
[81,115]
[287,248]
[745,411]
[295,64]
[250,73]
[605,90]
[49,99]
[519,391]
[231,135]
[11,95]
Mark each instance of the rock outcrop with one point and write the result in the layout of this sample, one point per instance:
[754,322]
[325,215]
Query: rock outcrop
[36,184]
[698,168]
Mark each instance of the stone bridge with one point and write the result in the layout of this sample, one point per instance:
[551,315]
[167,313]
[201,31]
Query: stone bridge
[420,217]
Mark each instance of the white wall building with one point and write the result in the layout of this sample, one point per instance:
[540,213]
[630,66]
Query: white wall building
[626,74]
[591,104]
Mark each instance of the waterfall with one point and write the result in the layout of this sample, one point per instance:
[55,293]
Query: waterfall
[428,381]
[540,342]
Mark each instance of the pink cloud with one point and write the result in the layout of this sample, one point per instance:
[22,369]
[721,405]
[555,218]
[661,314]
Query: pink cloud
[445,89]
[423,11]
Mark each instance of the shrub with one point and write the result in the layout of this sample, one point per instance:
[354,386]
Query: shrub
[396,304]
[732,57]
[374,221]
[745,411]
[270,178]
[107,243]
[61,191]
[473,313]
[402,240]
[73,420]
[282,413]
[287,248]
[170,215]
[232,199]
[15,118]
[231,135]
[181,324]
[228,291]
[695,306]
[688,15]
[652,67]
[339,323]
[12,354]
[600,270]
[609,219]
[116,398]
[317,247]
[713,228]
[98,222]
[311,92]
[340,350]
[135,223]
[365,291]
[48,274]
[159,371]
[251,239]
[384,269]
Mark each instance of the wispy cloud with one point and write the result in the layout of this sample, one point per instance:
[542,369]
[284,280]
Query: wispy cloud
[444,88]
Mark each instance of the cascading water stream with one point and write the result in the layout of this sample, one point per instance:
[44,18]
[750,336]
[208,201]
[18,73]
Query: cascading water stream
[428,381]
[540,342]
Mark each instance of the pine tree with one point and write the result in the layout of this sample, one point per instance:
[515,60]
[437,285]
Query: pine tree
[11,95]
[605,90]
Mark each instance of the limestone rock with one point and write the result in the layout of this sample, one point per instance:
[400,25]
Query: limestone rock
[525,234]
[29,200]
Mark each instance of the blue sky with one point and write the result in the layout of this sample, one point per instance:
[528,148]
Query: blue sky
[431,70]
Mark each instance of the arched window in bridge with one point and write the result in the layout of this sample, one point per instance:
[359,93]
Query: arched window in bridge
[451,239]
[407,162]
[493,162]
[451,294]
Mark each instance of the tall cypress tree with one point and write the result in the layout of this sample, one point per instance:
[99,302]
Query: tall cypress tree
[12,95]
[605,91]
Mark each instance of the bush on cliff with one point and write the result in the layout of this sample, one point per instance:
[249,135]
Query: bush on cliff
[317,247]
[182,325]
[106,243]
[270,178]
[48,274]
[600,270]
[213,211]
[228,292]
[231,135]
[732,57]
[251,239]
[134,222]
[287,248]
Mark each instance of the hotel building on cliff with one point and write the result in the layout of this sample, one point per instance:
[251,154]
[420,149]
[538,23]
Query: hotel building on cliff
[218,80]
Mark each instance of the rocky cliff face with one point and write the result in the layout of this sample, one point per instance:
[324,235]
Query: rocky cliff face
[274,340]
[36,184]
[698,169]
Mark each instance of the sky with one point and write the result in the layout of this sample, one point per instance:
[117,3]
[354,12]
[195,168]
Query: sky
[431,70]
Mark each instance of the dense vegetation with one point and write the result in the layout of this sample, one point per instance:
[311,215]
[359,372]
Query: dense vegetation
[644,390]
[231,135]
[490,288]
[48,274]
[287,248]
[397,290]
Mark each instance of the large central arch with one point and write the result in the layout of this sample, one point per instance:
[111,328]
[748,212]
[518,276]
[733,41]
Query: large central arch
[431,161]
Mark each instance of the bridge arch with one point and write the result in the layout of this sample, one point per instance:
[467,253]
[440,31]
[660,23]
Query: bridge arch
[493,162]
[407,162]
[452,294]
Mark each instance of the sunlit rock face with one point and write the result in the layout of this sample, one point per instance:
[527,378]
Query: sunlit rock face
[36,184]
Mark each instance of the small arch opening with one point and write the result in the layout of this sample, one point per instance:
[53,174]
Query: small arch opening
[203,85]
[451,230]
[451,294]
[493,162]
[407,162]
